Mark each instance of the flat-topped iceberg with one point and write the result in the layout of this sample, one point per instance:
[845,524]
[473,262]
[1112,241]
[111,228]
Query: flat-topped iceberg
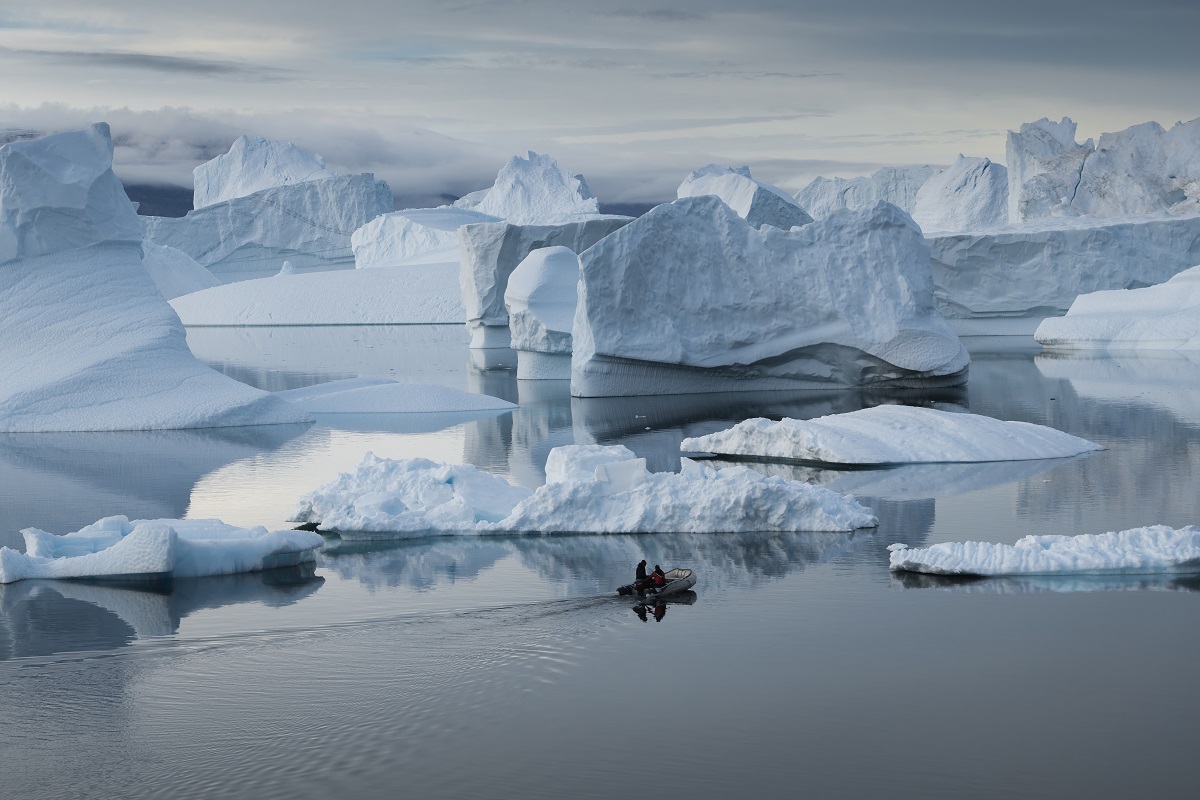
[589,489]
[252,165]
[540,300]
[1140,551]
[413,236]
[535,191]
[891,434]
[970,194]
[895,185]
[174,272]
[755,201]
[87,341]
[386,396]
[691,298]
[1163,317]
[115,548]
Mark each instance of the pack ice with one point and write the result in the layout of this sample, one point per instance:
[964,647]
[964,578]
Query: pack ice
[1139,551]
[588,489]
[540,300]
[252,165]
[692,298]
[88,343]
[895,185]
[115,548]
[891,434]
[755,201]
[1163,317]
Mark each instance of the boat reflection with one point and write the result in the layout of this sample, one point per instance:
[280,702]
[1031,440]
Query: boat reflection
[657,607]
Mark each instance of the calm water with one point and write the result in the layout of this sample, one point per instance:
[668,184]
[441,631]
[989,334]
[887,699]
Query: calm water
[499,667]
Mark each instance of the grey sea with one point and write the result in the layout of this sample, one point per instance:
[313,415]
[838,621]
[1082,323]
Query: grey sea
[468,667]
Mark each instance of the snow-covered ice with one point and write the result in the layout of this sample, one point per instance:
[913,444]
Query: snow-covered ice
[386,396]
[492,250]
[540,300]
[174,272]
[87,341]
[970,194]
[590,489]
[535,191]
[891,434]
[895,185]
[116,548]
[419,293]
[1163,317]
[252,165]
[1157,549]
[755,201]
[413,236]
[691,298]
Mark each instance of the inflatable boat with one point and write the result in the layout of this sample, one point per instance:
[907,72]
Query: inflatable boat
[678,580]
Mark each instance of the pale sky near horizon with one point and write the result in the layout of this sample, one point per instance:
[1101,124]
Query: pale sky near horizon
[433,97]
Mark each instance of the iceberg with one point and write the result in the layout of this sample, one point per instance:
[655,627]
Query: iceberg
[540,300]
[691,298]
[1044,168]
[417,294]
[1163,317]
[536,191]
[756,202]
[589,489]
[386,396]
[174,272]
[115,548]
[895,185]
[970,194]
[252,165]
[492,250]
[1139,551]
[414,236]
[891,434]
[88,343]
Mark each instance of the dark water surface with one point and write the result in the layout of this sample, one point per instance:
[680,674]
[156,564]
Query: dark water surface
[498,667]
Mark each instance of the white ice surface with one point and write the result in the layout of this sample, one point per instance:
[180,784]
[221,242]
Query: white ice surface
[891,434]
[1140,551]
[895,185]
[413,236]
[1163,317]
[535,191]
[1044,166]
[115,547]
[419,293]
[970,194]
[540,300]
[174,272]
[755,201]
[417,497]
[252,165]
[386,396]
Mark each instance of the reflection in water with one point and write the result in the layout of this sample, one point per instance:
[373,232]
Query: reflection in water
[1163,380]
[1035,584]
[656,607]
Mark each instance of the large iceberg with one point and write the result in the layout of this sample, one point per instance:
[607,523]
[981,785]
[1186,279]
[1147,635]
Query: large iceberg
[174,272]
[492,250]
[540,300]
[115,548]
[1044,166]
[1163,317]
[891,434]
[536,191]
[87,341]
[895,185]
[589,489]
[970,194]
[691,298]
[756,202]
[1140,551]
[252,165]
[413,236]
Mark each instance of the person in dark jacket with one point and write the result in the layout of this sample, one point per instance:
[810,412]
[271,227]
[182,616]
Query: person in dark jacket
[640,574]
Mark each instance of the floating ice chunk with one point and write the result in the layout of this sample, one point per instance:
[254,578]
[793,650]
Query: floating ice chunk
[174,272]
[540,300]
[971,194]
[755,201]
[891,434]
[252,165]
[414,236]
[578,463]
[383,396]
[115,548]
[895,185]
[1139,551]
[536,191]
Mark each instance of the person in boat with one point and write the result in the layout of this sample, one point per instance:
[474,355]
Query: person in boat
[639,575]
[658,578]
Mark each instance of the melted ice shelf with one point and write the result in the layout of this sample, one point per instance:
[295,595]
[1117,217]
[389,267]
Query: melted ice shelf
[1139,551]
[891,435]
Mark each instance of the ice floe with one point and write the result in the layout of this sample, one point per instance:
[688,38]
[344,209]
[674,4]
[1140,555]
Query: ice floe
[386,396]
[540,300]
[174,272]
[589,489]
[891,434]
[252,165]
[895,185]
[115,548]
[970,194]
[413,236]
[755,201]
[1139,551]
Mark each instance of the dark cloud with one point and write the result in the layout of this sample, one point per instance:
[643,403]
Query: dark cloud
[155,63]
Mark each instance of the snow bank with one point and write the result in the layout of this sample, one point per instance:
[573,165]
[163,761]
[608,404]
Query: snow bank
[174,272]
[421,293]
[972,193]
[691,298]
[386,396]
[536,191]
[252,165]
[891,434]
[756,202]
[895,185]
[1139,551]
[1163,317]
[593,490]
[1019,275]
[308,224]
[414,236]
[117,549]
[87,341]
[492,250]
[540,300]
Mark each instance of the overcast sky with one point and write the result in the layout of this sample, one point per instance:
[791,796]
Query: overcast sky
[433,97]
